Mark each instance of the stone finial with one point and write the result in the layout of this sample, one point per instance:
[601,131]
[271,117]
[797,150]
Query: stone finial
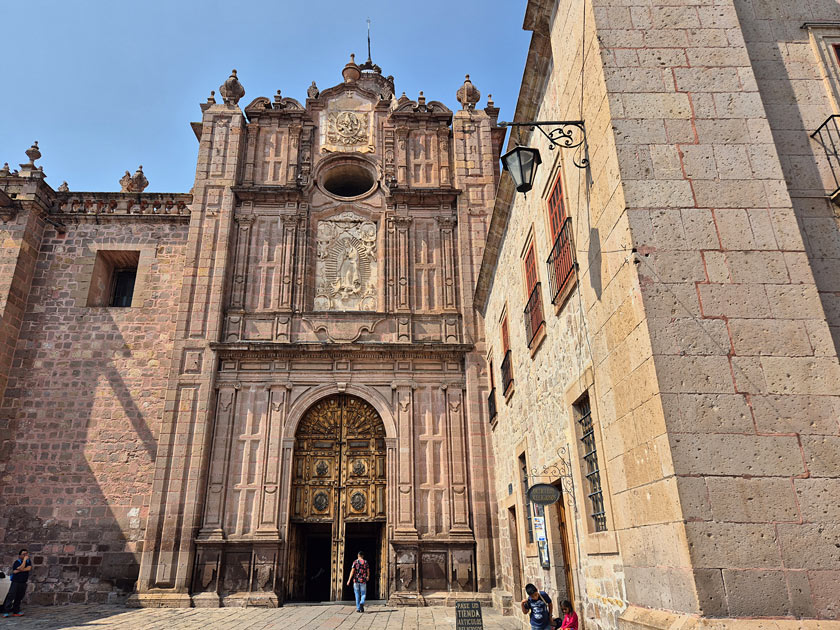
[211,100]
[421,100]
[231,90]
[33,154]
[468,94]
[313,91]
[134,183]
[63,188]
[277,98]
[351,71]
[5,172]
[29,169]
[490,102]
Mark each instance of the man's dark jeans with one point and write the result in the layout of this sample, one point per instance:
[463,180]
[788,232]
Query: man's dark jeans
[16,592]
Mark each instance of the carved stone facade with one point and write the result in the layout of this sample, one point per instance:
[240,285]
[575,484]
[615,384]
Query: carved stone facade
[300,373]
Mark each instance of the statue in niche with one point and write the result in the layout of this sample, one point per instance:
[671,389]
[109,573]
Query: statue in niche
[346,268]
[348,281]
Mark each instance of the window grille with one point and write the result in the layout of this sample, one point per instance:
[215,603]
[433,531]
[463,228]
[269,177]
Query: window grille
[592,473]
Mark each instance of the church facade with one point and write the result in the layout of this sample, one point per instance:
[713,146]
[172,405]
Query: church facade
[218,398]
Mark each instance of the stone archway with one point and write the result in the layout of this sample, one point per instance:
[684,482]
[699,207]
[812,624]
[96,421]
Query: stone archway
[338,497]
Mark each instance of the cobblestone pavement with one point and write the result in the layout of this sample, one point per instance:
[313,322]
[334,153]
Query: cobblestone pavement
[340,617]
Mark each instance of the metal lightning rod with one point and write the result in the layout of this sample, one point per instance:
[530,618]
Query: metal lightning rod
[368,25]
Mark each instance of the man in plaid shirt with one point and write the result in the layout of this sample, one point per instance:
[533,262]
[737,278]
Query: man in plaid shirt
[359,575]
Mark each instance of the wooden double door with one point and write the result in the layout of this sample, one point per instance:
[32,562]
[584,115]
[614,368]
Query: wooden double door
[338,498]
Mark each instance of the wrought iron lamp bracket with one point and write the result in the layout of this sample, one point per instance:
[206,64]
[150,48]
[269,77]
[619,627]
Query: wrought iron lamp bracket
[560,470]
[563,134]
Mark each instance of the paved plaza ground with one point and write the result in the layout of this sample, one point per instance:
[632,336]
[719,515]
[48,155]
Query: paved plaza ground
[339,617]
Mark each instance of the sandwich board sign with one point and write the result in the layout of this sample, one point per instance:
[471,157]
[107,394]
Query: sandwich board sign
[468,616]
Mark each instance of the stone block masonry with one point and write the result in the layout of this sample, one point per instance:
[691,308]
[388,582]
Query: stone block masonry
[82,410]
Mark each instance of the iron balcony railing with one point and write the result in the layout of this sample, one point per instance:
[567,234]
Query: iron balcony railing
[507,373]
[561,261]
[828,135]
[491,403]
[533,314]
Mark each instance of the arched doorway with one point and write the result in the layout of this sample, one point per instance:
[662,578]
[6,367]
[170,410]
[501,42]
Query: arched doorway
[337,499]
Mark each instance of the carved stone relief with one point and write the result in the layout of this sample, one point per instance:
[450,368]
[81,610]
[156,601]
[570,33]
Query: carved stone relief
[347,269]
[347,129]
[346,125]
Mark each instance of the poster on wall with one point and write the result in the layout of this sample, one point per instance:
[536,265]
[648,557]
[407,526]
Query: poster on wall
[542,541]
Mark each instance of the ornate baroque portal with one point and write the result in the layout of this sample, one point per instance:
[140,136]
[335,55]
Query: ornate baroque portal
[338,479]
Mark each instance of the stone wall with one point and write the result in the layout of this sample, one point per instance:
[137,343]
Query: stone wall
[83,408]
[742,352]
[699,310]
[584,331]
[798,77]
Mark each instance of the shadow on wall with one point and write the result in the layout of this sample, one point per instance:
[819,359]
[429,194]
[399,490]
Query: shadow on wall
[82,408]
[593,260]
[793,116]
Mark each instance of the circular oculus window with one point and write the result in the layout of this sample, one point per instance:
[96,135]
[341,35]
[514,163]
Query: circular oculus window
[348,179]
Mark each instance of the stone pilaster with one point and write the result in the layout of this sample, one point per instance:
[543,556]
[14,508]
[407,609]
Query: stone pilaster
[186,430]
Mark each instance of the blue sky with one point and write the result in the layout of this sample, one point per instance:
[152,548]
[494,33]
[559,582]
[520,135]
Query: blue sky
[105,86]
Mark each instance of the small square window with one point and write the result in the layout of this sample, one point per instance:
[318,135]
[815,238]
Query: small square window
[114,277]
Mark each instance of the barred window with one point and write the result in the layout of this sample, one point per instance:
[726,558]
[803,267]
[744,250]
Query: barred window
[590,457]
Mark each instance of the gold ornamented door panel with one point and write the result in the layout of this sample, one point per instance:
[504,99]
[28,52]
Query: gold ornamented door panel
[339,471]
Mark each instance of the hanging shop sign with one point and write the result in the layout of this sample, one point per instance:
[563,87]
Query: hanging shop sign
[543,494]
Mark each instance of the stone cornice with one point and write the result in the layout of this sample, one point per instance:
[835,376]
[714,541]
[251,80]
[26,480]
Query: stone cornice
[267,350]
[422,196]
[269,194]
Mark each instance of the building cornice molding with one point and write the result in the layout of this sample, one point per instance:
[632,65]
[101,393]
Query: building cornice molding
[269,350]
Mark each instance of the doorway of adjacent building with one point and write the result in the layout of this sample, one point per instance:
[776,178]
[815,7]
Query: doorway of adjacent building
[337,499]
[560,538]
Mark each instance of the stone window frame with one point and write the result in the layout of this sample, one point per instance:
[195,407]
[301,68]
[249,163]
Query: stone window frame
[825,40]
[556,174]
[504,324]
[531,245]
[147,253]
[594,543]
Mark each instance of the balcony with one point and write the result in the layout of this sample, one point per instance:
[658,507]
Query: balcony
[507,373]
[534,319]
[491,404]
[561,261]
[828,135]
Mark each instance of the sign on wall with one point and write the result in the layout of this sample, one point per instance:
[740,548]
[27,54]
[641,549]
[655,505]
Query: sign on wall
[468,616]
[543,494]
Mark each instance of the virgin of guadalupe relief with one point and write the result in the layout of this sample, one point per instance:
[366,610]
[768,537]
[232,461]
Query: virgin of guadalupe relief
[347,270]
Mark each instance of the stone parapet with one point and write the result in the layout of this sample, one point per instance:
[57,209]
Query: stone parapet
[77,205]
